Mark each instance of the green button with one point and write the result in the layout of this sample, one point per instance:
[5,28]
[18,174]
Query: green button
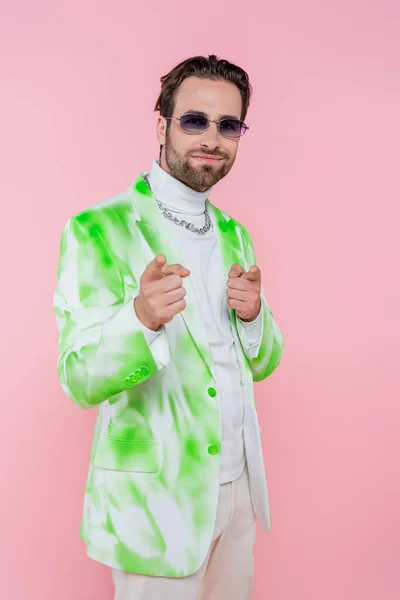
[212,392]
[145,371]
[138,374]
[128,382]
[213,450]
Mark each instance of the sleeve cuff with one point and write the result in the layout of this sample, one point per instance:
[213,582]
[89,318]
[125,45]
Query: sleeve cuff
[252,330]
[158,343]
[151,335]
[250,333]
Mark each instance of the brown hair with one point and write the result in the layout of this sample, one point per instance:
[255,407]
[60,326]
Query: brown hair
[206,68]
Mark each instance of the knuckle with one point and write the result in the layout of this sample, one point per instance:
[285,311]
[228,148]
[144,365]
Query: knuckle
[146,293]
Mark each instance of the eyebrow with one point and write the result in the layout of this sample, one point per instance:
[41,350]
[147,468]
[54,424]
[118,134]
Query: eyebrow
[191,111]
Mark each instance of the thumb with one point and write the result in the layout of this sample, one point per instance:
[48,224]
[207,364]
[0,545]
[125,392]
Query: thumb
[253,274]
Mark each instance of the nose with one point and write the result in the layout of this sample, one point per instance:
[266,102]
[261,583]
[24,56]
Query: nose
[210,137]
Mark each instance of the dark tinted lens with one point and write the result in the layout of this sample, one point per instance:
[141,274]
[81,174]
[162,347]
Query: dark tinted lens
[232,127]
[193,123]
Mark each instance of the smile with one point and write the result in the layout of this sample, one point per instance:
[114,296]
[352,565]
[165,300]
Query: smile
[210,159]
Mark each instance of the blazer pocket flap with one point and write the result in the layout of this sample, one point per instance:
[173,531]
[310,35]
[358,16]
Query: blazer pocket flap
[142,456]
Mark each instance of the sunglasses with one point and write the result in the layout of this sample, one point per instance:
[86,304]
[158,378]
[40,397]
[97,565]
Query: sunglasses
[196,124]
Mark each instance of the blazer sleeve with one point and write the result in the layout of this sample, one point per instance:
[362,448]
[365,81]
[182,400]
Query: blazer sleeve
[267,355]
[103,349]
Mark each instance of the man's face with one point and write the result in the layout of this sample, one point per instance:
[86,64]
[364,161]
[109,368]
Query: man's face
[182,151]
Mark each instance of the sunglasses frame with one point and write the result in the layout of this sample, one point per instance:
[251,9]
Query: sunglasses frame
[218,123]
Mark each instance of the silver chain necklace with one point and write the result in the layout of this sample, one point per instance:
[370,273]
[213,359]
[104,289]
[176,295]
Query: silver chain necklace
[182,223]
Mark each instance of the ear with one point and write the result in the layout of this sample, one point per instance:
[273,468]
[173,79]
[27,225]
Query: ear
[161,130]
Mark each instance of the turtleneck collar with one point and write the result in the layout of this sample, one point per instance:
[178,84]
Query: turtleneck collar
[174,194]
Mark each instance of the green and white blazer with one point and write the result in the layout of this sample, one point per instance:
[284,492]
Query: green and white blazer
[153,482]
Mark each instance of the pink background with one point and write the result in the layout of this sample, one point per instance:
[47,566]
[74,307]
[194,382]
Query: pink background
[317,184]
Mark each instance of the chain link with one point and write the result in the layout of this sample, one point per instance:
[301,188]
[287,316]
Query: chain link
[182,223]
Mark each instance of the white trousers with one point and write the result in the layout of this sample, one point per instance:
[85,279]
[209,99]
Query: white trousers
[228,570]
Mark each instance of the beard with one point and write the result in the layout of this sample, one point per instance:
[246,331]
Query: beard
[198,178]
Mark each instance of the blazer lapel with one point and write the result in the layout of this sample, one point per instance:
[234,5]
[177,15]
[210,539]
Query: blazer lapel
[231,245]
[156,232]
[228,238]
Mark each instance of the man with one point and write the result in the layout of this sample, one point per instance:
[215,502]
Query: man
[164,327]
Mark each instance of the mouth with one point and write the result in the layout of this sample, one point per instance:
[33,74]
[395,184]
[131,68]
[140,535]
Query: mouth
[207,158]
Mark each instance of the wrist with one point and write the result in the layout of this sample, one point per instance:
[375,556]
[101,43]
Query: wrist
[143,318]
[253,317]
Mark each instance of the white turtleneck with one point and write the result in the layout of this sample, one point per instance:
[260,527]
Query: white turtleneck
[203,257]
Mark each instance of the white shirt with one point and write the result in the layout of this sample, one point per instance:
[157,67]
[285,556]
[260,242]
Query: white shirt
[203,257]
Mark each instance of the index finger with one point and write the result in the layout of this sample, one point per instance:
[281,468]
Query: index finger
[175,269]
[253,274]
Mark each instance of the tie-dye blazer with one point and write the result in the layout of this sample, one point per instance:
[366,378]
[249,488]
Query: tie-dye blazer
[153,481]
